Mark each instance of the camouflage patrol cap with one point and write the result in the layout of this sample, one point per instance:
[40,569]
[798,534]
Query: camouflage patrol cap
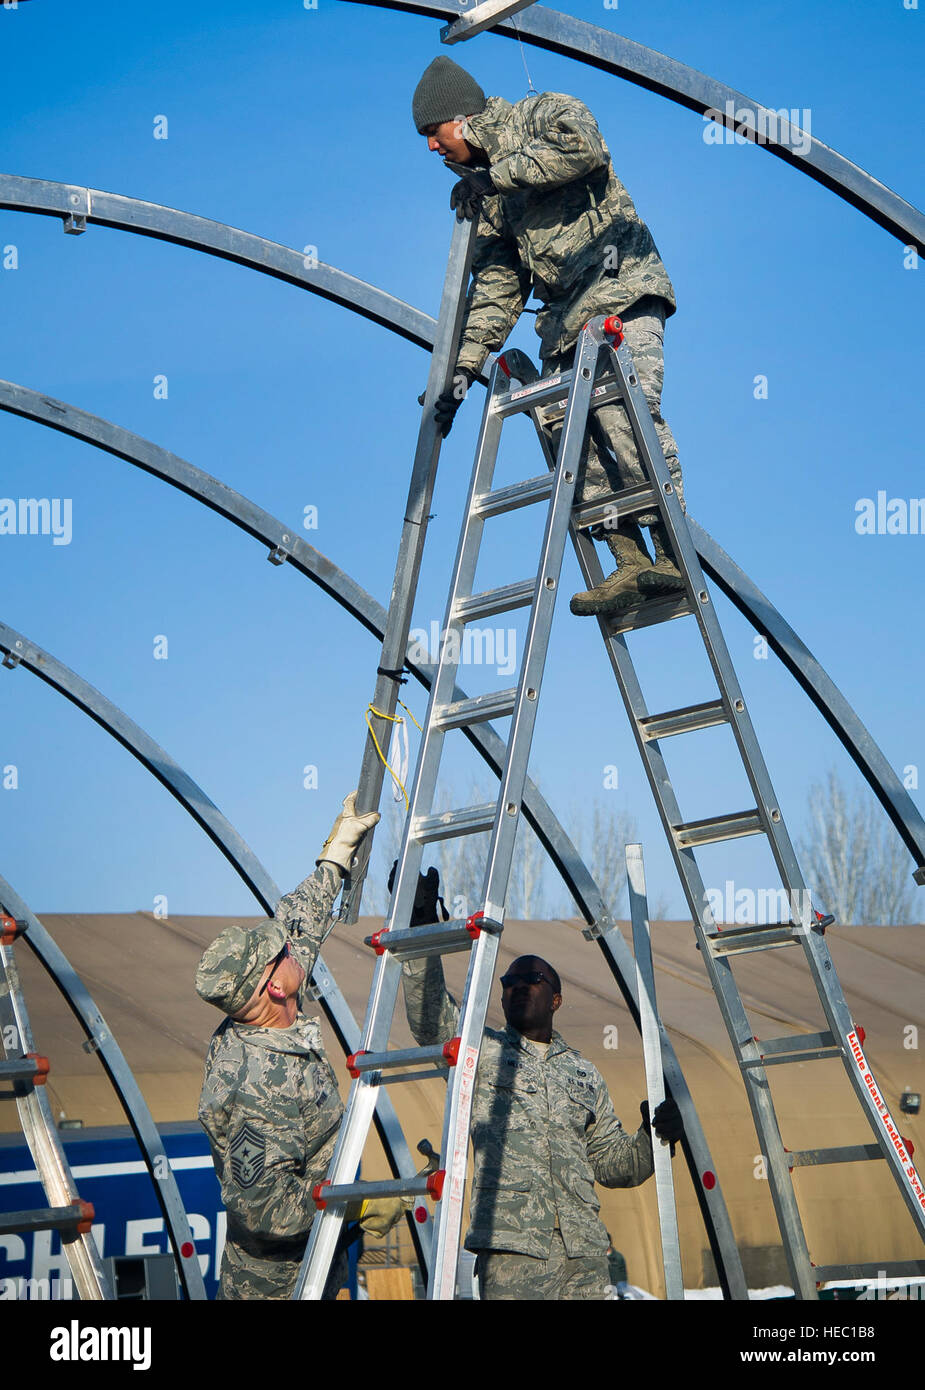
[231,967]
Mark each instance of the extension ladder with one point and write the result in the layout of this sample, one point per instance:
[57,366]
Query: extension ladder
[559,407]
[842,1039]
[28,1072]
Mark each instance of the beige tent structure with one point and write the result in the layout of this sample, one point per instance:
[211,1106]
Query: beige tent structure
[139,969]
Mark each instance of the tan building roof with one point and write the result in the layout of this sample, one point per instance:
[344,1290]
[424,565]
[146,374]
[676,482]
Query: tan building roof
[140,970]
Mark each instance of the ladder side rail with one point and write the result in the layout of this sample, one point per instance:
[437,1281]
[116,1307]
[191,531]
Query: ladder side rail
[364,1093]
[869,1093]
[655,1079]
[411,546]
[385,985]
[696,1149]
[650,450]
[816,951]
[448,1220]
[724,987]
[720,974]
[41,1135]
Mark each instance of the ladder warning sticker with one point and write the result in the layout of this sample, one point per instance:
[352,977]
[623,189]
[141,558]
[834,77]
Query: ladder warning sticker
[886,1119]
[453,1193]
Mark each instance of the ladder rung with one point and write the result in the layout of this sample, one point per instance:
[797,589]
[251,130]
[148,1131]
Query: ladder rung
[604,392]
[744,939]
[537,393]
[648,612]
[716,828]
[886,1269]
[441,1054]
[492,601]
[639,498]
[848,1153]
[820,1054]
[496,705]
[683,721]
[795,1043]
[470,821]
[508,499]
[32,1068]
[429,1185]
[79,1216]
[440,938]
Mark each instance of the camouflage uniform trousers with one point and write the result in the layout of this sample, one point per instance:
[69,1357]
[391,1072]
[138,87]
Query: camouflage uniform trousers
[523,1278]
[610,429]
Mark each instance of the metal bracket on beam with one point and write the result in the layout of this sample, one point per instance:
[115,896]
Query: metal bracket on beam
[919,876]
[78,210]
[278,556]
[483,16]
[12,659]
[598,928]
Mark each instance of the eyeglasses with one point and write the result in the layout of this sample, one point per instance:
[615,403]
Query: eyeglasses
[277,962]
[529,977]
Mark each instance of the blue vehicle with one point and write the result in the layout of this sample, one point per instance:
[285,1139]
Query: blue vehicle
[110,1172]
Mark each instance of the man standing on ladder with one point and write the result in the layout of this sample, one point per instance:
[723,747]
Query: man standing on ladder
[269,1099]
[543,1132]
[554,217]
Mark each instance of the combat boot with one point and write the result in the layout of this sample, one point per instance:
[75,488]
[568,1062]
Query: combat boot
[663,577]
[619,589]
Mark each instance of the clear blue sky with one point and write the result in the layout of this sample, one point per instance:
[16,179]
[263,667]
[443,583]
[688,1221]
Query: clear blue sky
[295,124]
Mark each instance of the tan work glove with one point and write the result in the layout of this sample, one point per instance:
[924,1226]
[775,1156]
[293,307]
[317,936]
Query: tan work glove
[377,1215]
[346,835]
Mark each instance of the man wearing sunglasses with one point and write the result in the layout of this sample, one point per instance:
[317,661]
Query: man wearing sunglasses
[269,1101]
[543,1132]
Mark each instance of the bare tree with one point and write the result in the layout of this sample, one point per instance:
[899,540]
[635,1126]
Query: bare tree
[527,891]
[853,861]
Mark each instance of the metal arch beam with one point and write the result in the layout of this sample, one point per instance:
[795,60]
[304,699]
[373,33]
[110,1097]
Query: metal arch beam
[286,544]
[20,651]
[120,1074]
[644,67]
[90,205]
[252,519]
[752,603]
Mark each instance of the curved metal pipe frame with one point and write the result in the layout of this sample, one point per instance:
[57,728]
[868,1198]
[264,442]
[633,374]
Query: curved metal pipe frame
[120,1074]
[20,651]
[573,38]
[666,77]
[270,531]
[286,545]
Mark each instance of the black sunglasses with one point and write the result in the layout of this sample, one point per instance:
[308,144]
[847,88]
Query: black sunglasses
[277,962]
[529,977]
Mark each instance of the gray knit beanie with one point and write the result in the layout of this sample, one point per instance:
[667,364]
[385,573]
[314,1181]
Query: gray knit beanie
[445,91]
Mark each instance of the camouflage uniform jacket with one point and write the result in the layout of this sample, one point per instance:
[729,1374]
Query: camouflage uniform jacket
[561,221]
[271,1109]
[543,1132]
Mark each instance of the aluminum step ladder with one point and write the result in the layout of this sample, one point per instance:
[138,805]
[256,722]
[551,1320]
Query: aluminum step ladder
[28,1072]
[545,400]
[374,1065]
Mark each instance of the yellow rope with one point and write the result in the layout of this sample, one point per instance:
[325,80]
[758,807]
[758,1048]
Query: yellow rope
[393,719]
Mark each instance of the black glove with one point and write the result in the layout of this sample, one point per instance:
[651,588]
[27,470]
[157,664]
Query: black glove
[449,401]
[426,896]
[666,1120]
[466,197]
